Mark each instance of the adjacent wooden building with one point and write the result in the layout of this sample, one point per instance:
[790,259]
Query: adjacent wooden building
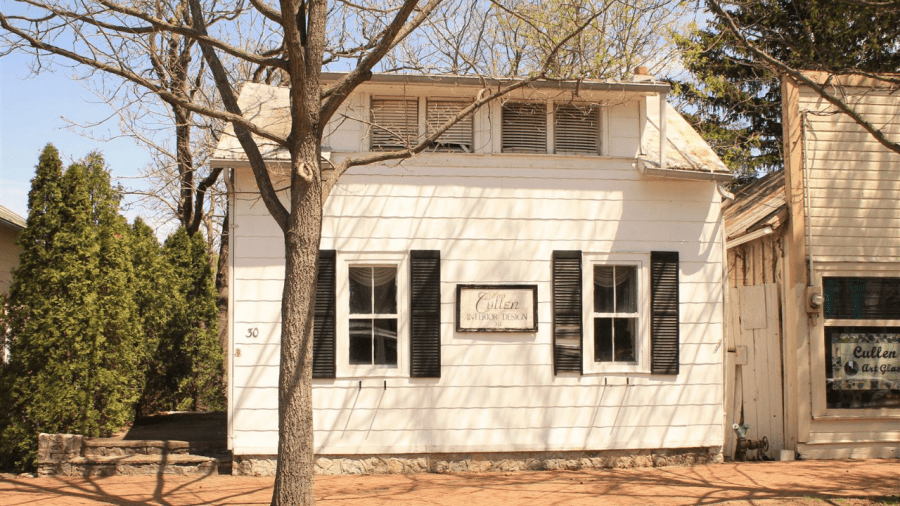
[546,282]
[814,276]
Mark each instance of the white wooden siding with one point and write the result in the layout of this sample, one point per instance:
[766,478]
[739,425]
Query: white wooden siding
[495,219]
[853,180]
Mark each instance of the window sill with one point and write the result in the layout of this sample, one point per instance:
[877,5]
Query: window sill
[363,372]
[618,369]
[857,414]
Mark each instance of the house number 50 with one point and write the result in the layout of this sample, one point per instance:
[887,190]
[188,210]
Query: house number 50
[252,332]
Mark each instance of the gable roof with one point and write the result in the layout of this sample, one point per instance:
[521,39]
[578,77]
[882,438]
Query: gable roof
[686,152]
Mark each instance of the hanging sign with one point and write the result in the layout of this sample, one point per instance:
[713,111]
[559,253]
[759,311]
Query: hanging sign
[865,361]
[496,308]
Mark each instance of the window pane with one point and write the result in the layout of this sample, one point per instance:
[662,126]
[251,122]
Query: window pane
[385,280]
[862,367]
[603,339]
[360,290]
[862,298]
[386,341]
[626,289]
[623,330]
[360,341]
[603,289]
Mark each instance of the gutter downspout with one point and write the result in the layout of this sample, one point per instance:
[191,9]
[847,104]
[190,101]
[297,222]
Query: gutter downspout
[727,200]
[229,185]
[662,129]
[809,245]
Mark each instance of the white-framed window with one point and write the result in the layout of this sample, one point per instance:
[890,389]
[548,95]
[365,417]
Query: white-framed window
[616,288]
[372,314]
[856,347]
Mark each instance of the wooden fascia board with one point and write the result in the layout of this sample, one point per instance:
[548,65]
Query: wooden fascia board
[851,80]
[672,173]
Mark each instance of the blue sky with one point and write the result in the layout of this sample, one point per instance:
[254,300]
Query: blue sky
[31,115]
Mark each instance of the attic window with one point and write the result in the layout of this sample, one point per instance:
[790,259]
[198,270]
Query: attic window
[395,123]
[578,129]
[524,127]
[459,136]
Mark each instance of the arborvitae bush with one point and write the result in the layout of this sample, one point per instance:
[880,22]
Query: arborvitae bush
[187,369]
[75,341]
[155,296]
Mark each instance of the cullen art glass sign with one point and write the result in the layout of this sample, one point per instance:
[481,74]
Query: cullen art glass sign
[496,308]
[865,361]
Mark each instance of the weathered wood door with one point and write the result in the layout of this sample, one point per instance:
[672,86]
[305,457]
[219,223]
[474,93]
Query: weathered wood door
[753,372]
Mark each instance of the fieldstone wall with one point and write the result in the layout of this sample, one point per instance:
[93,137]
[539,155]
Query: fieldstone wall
[55,451]
[264,465]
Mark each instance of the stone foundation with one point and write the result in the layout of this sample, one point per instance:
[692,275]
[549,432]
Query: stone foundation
[264,465]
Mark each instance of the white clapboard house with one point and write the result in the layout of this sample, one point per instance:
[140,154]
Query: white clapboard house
[542,288]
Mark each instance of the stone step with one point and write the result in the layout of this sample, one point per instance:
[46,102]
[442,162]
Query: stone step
[74,455]
[104,447]
[131,465]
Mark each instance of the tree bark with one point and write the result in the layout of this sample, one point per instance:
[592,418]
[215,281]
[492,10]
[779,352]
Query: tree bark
[294,476]
[222,285]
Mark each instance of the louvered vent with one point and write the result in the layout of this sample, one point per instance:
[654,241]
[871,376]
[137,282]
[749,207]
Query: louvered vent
[578,129]
[395,123]
[524,127]
[459,136]
[567,315]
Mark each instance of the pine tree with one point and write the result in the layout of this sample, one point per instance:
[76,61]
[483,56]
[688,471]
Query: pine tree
[75,344]
[735,101]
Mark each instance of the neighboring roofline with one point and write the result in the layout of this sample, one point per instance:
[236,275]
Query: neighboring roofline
[11,219]
[853,80]
[756,206]
[479,82]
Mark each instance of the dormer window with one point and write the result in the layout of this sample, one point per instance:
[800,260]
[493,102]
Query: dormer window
[459,136]
[395,123]
[577,129]
[524,127]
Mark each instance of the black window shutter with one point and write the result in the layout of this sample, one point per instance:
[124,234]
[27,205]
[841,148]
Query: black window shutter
[664,312]
[323,318]
[425,313]
[567,312]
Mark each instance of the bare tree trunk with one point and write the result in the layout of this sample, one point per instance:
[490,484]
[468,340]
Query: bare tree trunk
[222,285]
[294,477]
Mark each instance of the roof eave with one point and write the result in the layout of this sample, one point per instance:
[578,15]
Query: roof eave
[478,82]
[676,173]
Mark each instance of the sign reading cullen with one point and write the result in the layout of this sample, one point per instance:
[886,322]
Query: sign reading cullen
[496,308]
[862,361]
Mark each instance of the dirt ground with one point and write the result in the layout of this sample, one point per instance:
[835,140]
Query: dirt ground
[811,483]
